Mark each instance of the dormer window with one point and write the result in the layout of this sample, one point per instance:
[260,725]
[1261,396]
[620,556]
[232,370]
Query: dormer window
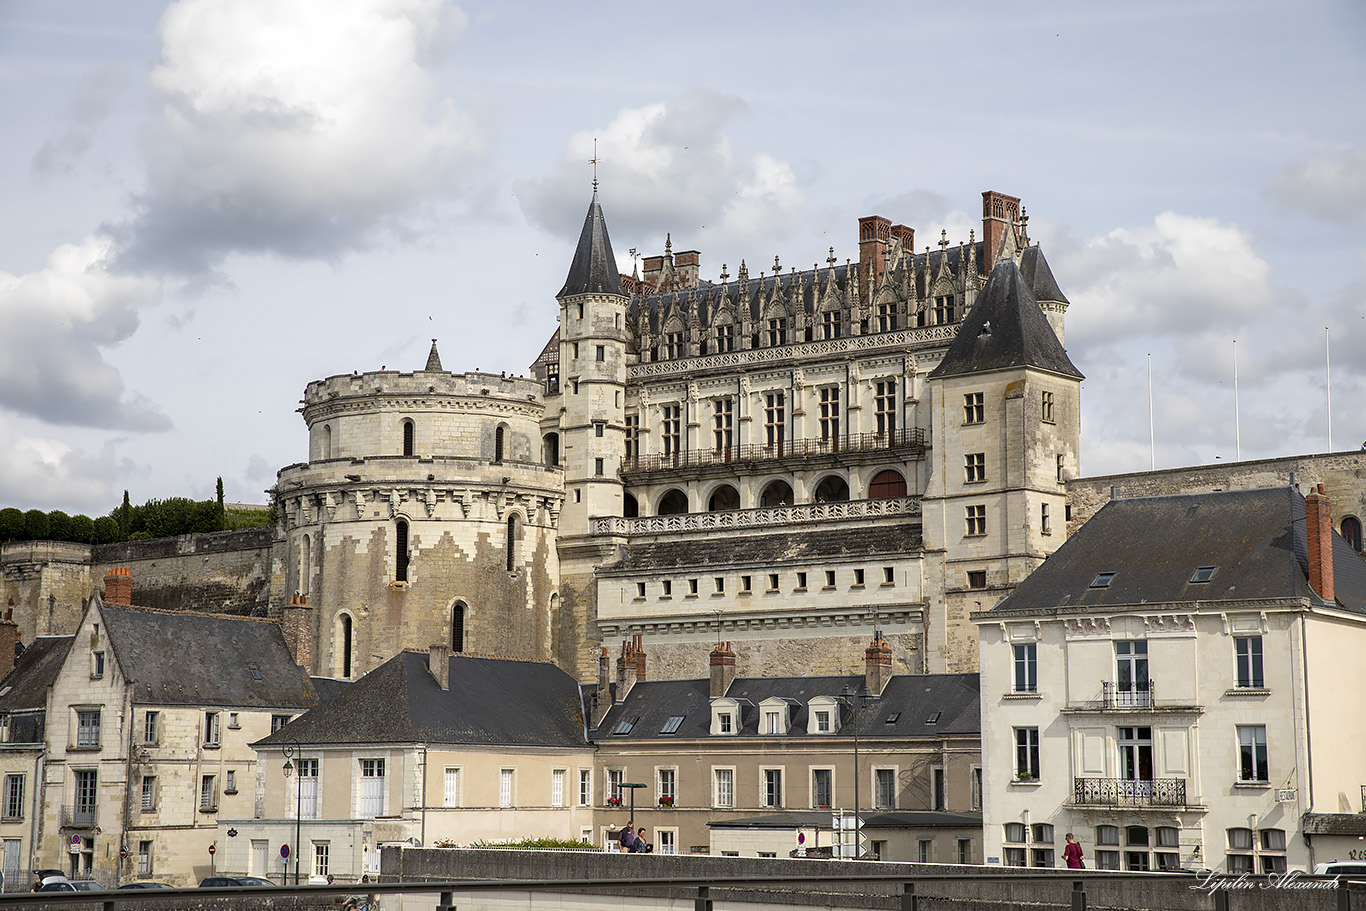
[725,716]
[822,715]
[1203,574]
[725,725]
[1102,580]
[775,713]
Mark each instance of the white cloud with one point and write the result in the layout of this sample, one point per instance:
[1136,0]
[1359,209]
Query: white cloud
[1331,187]
[53,323]
[670,166]
[300,127]
[41,472]
[92,102]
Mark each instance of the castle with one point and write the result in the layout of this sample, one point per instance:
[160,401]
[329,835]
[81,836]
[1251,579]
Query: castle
[789,461]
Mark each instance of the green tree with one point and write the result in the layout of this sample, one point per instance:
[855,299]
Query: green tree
[11,524]
[36,525]
[106,530]
[123,514]
[58,525]
[82,529]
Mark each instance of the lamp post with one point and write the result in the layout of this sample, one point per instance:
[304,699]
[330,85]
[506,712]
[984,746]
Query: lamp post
[292,752]
[855,702]
[632,785]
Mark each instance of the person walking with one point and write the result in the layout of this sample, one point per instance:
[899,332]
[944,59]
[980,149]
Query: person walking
[1073,854]
[627,839]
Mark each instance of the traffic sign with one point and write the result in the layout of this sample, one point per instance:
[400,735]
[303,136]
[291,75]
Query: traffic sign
[284,851]
[75,839]
[211,850]
[801,838]
[123,853]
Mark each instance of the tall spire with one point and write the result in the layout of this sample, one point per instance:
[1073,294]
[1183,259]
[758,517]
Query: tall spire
[433,360]
[594,269]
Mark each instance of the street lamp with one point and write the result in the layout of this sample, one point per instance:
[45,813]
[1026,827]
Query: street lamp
[632,785]
[849,697]
[291,752]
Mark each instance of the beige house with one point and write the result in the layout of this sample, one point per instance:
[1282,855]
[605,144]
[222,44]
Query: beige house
[149,721]
[427,748]
[1178,687]
[716,753]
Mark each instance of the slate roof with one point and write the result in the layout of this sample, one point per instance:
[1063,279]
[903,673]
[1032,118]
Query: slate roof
[1006,328]
[1039,277]
[496,702]
[950,699]
[1153,545]
[594,268]
[717,551]
[24,688]
[907,819]
[186,658]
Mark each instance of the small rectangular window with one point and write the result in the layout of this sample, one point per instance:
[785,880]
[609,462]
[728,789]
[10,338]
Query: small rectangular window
[277,722]
[888,575]
[597,428]
[640,589]
[1060,466]
[1045,521]
[692,586]
[974,408]
[97,668]
[829,578]
[574,347]
[1203,574]
[600,353]
[976,521]
[773,582]
[1102,580]
[149,729]
[720,584]
[1047,407]
[1249,653]
[975,467]
[801,581]
[667,587]
[230,782]
[597,467]
[977,578]
[745,585]
[1026,667]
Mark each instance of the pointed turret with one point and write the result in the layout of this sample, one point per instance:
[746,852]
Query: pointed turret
[594,269]
[433,360]
[1005,328]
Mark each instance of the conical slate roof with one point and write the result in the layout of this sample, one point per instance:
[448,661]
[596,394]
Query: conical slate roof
[433,360]
[1005,328]
[594,269]
[1040,276]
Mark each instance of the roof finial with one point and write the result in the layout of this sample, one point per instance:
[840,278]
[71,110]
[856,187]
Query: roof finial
[830,260]
[594,162]
[944,239]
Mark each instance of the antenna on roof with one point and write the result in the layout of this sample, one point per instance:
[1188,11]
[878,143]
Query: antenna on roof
[594,162]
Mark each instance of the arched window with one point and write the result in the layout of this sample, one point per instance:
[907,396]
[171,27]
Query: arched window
[886,484]
[305,564]
[1351,532]
[779,493]
[832,489]
[327,441]
[345,643]
[629,508]
[498,443]
[514,532]
[401,551]
[673,503]
[458,627]
[723,498]
[551,445]
[408,436]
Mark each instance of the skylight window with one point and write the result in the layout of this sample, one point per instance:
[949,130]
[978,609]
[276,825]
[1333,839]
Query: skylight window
[1102,580]
[1203,574]
[624,725]
[255,672]
[934,718]
[671,726]
[892,718]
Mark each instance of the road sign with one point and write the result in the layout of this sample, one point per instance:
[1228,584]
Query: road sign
[284,851]
[75,839]
[123,853]
[211,850]
[801,838]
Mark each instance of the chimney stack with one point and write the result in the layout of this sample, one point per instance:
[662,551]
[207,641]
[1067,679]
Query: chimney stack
[1000,213]
[877,661]
[9,639]
[639,645]
[298,631]
[118,586]
[602,697]
[626,668]
[439,663]
[1318,514]
[722,669]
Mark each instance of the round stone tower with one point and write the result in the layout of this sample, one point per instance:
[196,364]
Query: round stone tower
[423,516]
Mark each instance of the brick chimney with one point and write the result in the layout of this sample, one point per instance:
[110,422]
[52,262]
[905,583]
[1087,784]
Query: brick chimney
[118,586]
[1000,213]
[297,627]
[722,669]
[9,638]
[626,668]
[877,661]
[439,663]
[1318,515]
[602,697]
[638,645]
[874,235]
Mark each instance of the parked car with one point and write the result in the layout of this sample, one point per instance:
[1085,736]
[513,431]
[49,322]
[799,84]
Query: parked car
[146,885]
[46,876]
[210,881]
[73,885]
[1347,869]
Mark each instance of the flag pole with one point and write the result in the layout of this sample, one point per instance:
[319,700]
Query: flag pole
[1152,444]
[1328,384]
[1237,436]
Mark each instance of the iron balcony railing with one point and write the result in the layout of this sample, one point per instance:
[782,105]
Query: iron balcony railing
[908,438]
[1127,695]
[1125,792]
[80,815]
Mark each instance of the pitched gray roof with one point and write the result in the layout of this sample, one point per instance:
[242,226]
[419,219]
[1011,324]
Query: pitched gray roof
[24,688]
[951,700]
[594,268]
[185,658]
[816,544]
[491,702]
[1255,539]
[1005,328]
[1039,276]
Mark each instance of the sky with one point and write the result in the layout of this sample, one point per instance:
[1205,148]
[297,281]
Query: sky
[209,203]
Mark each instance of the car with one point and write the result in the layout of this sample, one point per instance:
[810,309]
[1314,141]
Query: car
[46,876]
[211,881]
[73,885]
[146,885]
[1348,869]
